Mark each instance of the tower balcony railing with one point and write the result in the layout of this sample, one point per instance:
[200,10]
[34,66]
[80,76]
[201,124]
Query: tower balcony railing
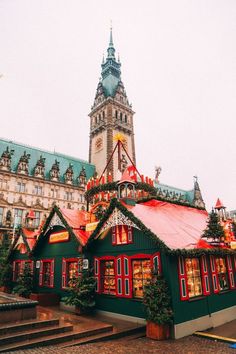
[97,126]
[122,124]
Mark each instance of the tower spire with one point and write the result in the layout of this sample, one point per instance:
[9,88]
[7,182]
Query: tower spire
[111,50]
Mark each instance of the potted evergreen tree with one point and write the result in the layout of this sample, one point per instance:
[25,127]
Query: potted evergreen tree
[81,293]
[24,284]
[158,310]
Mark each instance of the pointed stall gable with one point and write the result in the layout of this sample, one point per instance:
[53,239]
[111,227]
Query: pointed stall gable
[117,218]
[130,218]
[71,220]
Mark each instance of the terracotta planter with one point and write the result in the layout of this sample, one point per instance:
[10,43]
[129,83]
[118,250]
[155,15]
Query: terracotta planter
[157,331]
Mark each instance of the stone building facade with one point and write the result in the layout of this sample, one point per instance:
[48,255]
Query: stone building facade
[33,179]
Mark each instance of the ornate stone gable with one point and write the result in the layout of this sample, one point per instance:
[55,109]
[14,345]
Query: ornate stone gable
[5,160]
[20,203]
[117,218]
[68,175]
[38,205]
[39,170]
[55,171]
[82,178]
[23,164]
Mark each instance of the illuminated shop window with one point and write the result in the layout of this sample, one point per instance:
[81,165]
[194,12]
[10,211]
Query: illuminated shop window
[141,270]
[71,270]
[108,282]
[222,274]
[122,235]
[194,280]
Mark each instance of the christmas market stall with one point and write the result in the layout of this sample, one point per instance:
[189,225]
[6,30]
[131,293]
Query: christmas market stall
[133,239]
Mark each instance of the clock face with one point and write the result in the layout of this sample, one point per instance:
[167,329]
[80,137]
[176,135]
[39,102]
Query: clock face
[98,144]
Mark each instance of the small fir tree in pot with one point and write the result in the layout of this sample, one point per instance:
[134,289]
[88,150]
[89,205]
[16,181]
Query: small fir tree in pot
[81,292]
[158,309]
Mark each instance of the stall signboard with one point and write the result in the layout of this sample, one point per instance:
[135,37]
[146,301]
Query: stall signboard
[61,236]
[91,226]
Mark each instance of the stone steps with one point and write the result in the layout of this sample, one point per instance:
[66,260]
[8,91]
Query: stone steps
[27,325]
[132,333]
[53,339]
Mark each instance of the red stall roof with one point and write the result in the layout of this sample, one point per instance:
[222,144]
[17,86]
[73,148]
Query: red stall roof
[77,219]
[31,236]
[176,225]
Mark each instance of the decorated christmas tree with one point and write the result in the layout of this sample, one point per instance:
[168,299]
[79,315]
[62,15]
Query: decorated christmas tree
[214,232]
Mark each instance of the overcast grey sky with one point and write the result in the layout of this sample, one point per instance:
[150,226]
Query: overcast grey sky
[178,66]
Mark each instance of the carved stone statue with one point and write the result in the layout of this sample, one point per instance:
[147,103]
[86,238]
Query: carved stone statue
[39,170]
[55,171]
[23,164]
[157,174]
[68,176]
[5,160]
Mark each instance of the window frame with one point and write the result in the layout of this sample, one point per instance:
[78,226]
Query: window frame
[41,273]
[64,273]
[117,230]
[21,263]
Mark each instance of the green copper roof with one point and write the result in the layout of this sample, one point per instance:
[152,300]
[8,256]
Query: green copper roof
[50,158]
[187,195]
[111,74]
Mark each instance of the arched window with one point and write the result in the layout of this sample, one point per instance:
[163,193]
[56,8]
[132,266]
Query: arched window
[116,115]
[125,118]
[121,117]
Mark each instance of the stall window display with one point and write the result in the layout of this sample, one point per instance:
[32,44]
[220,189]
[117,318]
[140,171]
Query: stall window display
[46,273]
[222,274]
[193,272]
[71,269]
[108,281]
[125,276]
[18,268]
[141,274]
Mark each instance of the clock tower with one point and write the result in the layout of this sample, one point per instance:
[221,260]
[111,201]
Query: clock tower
[111,118]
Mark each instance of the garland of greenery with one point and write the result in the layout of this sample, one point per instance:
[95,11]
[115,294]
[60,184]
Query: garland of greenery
[115,204]
[143,200]
[198,252]
[113,186]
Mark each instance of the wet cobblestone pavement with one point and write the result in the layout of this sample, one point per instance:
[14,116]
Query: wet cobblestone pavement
[187,345]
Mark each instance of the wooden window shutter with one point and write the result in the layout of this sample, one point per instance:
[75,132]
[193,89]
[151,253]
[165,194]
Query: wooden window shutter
[63,280]
[41,273]
[127,278]
[205,276]
[130,234]
[32,266]
[156,263]
[97,274]
[119,286]
[52,274]
[183,280]
[14,271]
[230,272]
[215,280]
[114,230]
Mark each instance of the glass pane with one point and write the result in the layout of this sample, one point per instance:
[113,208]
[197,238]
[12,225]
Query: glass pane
[194,281]
[141,274]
